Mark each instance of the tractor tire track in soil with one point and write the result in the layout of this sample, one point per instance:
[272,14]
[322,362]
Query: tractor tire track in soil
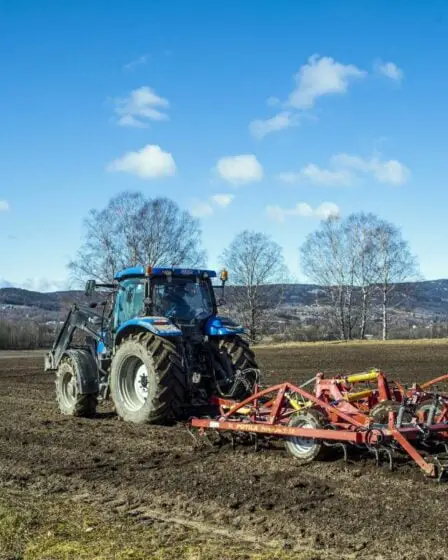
[354,510]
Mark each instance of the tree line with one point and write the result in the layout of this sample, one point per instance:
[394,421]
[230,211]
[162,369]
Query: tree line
[24,335]
[360,260]
[357,260]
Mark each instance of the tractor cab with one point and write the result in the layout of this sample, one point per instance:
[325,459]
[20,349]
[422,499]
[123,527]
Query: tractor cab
[180,295]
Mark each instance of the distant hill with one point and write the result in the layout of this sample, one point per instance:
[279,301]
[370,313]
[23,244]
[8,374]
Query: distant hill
[428,299]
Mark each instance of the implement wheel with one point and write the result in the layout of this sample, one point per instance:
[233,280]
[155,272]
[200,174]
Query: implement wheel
[147,383]
[380,412]
[76,364]
[423,409]
[303,449]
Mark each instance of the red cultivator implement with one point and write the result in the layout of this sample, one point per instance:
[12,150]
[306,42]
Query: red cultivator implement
[383,419]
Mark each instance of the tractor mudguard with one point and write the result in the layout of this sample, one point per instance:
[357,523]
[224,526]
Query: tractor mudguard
[222,326]
[86,371]
[157,325]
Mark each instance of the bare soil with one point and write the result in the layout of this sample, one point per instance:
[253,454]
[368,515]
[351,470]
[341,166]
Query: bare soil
[215,502]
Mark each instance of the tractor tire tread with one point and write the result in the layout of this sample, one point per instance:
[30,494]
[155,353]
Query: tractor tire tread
[170,378]
[85,404]
[237,351]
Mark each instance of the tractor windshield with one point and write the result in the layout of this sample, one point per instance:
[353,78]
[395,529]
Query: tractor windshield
[182,298]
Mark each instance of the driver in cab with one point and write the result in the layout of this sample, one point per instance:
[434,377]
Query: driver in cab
[175,297]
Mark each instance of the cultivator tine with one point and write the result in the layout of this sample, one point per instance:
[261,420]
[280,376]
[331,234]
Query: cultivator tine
[338,444]
[344,451]
[389,455]
[441,463]
[375,451]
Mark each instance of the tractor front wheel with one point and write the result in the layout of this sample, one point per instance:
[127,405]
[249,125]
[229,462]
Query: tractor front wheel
[147,383]
[70,400]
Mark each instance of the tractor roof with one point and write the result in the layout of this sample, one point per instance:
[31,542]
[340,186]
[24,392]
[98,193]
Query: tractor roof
[139,272]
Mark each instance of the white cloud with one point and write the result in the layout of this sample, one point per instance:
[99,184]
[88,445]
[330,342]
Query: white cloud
[315,174]
[4,206]
[201,209]
[129,120]
[346,169]
[136,62]
[303,209]
[222,199]
[327,209]
[327,177]
[390,171]
[150,162]
[140,107]
[239,170]
[321,76]
[259,128]
[390,70]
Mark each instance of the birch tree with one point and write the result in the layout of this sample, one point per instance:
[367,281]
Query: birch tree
[133,230]
[254,261]
[356,259]
[396,264]
[327,258]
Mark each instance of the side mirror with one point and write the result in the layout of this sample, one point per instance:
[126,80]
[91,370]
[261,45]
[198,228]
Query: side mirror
[221,302]
[90,287]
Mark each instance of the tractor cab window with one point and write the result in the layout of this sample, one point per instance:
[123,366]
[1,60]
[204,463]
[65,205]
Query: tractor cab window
[131,300]
[183,299]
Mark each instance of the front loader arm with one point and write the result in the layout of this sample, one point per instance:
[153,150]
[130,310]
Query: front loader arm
[77,318]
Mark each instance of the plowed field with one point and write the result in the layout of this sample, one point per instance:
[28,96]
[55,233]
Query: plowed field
[102,488]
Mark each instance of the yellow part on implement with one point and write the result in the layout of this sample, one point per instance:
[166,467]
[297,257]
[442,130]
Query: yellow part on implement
[243,411]
[357,396]
[360,377]
[298,405]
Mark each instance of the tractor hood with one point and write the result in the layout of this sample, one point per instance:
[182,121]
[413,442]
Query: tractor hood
[157,325]
[222,326]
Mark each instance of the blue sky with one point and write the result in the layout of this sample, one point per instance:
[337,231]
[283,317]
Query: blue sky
[295,109]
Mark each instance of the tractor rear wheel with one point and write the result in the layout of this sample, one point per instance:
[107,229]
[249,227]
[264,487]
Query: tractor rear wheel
[71,402]
[232,356]
[306,450]
[147,382]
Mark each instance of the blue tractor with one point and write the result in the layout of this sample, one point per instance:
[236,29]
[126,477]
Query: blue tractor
[156,346]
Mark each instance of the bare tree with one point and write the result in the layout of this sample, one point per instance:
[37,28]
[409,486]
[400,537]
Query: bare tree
[254,261]
[353,258]
[363,230]
[327,258]
[395,265]
[133,230]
